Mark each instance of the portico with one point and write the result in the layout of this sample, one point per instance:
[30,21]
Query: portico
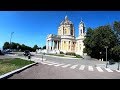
[52,43]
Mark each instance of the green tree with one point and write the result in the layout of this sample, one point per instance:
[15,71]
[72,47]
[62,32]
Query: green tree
[96,40]
[44,47]
[35,47]
[6,45]
[116,28]
[116,53]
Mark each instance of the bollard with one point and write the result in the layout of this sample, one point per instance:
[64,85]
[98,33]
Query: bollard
[42,58]
[29,57]
[118,66]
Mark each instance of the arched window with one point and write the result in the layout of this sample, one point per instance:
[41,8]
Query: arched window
[65,31]
[71,32]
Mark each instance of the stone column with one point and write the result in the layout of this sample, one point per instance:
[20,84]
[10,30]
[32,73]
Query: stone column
[48,44]
[57,45]
[52,44]
[70,46]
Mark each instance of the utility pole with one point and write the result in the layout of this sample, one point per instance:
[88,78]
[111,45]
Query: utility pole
[11,39]
[106,55]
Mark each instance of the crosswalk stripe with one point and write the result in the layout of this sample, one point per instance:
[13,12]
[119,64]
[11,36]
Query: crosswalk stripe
[82,67]
[44,63]
[52,63]
[47,61]
[109,70]
[66,65]
[99,69]
[118,70]
[90,68]
[58,65]
[74,66]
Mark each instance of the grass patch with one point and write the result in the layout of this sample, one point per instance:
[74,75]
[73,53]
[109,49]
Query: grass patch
[7,65]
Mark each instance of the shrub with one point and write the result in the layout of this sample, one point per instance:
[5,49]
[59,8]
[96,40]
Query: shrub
[71,53]
[78,56]
[61,52]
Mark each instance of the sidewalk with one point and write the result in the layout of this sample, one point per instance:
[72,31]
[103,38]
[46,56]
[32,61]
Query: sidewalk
[113,66]
[37,60]
[63,57]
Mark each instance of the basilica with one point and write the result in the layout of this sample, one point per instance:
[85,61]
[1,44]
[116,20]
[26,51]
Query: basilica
[65,41]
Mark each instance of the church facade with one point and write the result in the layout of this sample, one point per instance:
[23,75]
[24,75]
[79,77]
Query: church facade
[65,41]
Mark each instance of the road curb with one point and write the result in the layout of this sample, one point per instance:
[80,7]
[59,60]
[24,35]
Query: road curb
[4,76]
[62,57]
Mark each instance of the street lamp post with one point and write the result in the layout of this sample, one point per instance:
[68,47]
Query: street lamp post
[118,65]
[106,55]
[11,39]
[100,56]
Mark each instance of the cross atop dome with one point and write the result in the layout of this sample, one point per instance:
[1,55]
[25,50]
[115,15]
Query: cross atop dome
[66,21]
[66,17]
[81,21]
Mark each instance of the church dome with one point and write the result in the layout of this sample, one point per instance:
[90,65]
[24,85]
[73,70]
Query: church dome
[66,21]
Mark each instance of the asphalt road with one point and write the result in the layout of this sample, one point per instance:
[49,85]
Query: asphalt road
[85,61]
[43,71]
[72,71]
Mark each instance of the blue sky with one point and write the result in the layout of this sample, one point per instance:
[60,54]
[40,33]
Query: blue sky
[32,27]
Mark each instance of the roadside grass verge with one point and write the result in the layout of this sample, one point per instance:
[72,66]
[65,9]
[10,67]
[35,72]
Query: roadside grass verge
[8,65]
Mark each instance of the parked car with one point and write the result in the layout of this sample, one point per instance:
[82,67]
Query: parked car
[1,53]
[111,61]
[7,51]
[26,53]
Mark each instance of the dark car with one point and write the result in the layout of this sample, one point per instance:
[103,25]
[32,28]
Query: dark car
[111,61]
[6,51]
[26,53]
[1,53]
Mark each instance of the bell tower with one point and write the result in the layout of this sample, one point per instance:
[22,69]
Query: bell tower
[81,28]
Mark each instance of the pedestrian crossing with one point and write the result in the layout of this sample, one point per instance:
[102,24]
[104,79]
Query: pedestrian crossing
[66,65]
[90,68]
[99,69]
[73,67]
[82,67]
[79,67]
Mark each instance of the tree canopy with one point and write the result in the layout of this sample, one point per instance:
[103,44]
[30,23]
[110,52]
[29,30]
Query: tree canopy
[19,47]
[96,40]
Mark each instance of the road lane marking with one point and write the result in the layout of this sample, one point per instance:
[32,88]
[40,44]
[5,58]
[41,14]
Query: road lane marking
[118,70]
[66,65]
[99,69]
[52,63]
[90,68]
[44,63]
[74,66]
[82,67]
[58,65]
[109,70]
